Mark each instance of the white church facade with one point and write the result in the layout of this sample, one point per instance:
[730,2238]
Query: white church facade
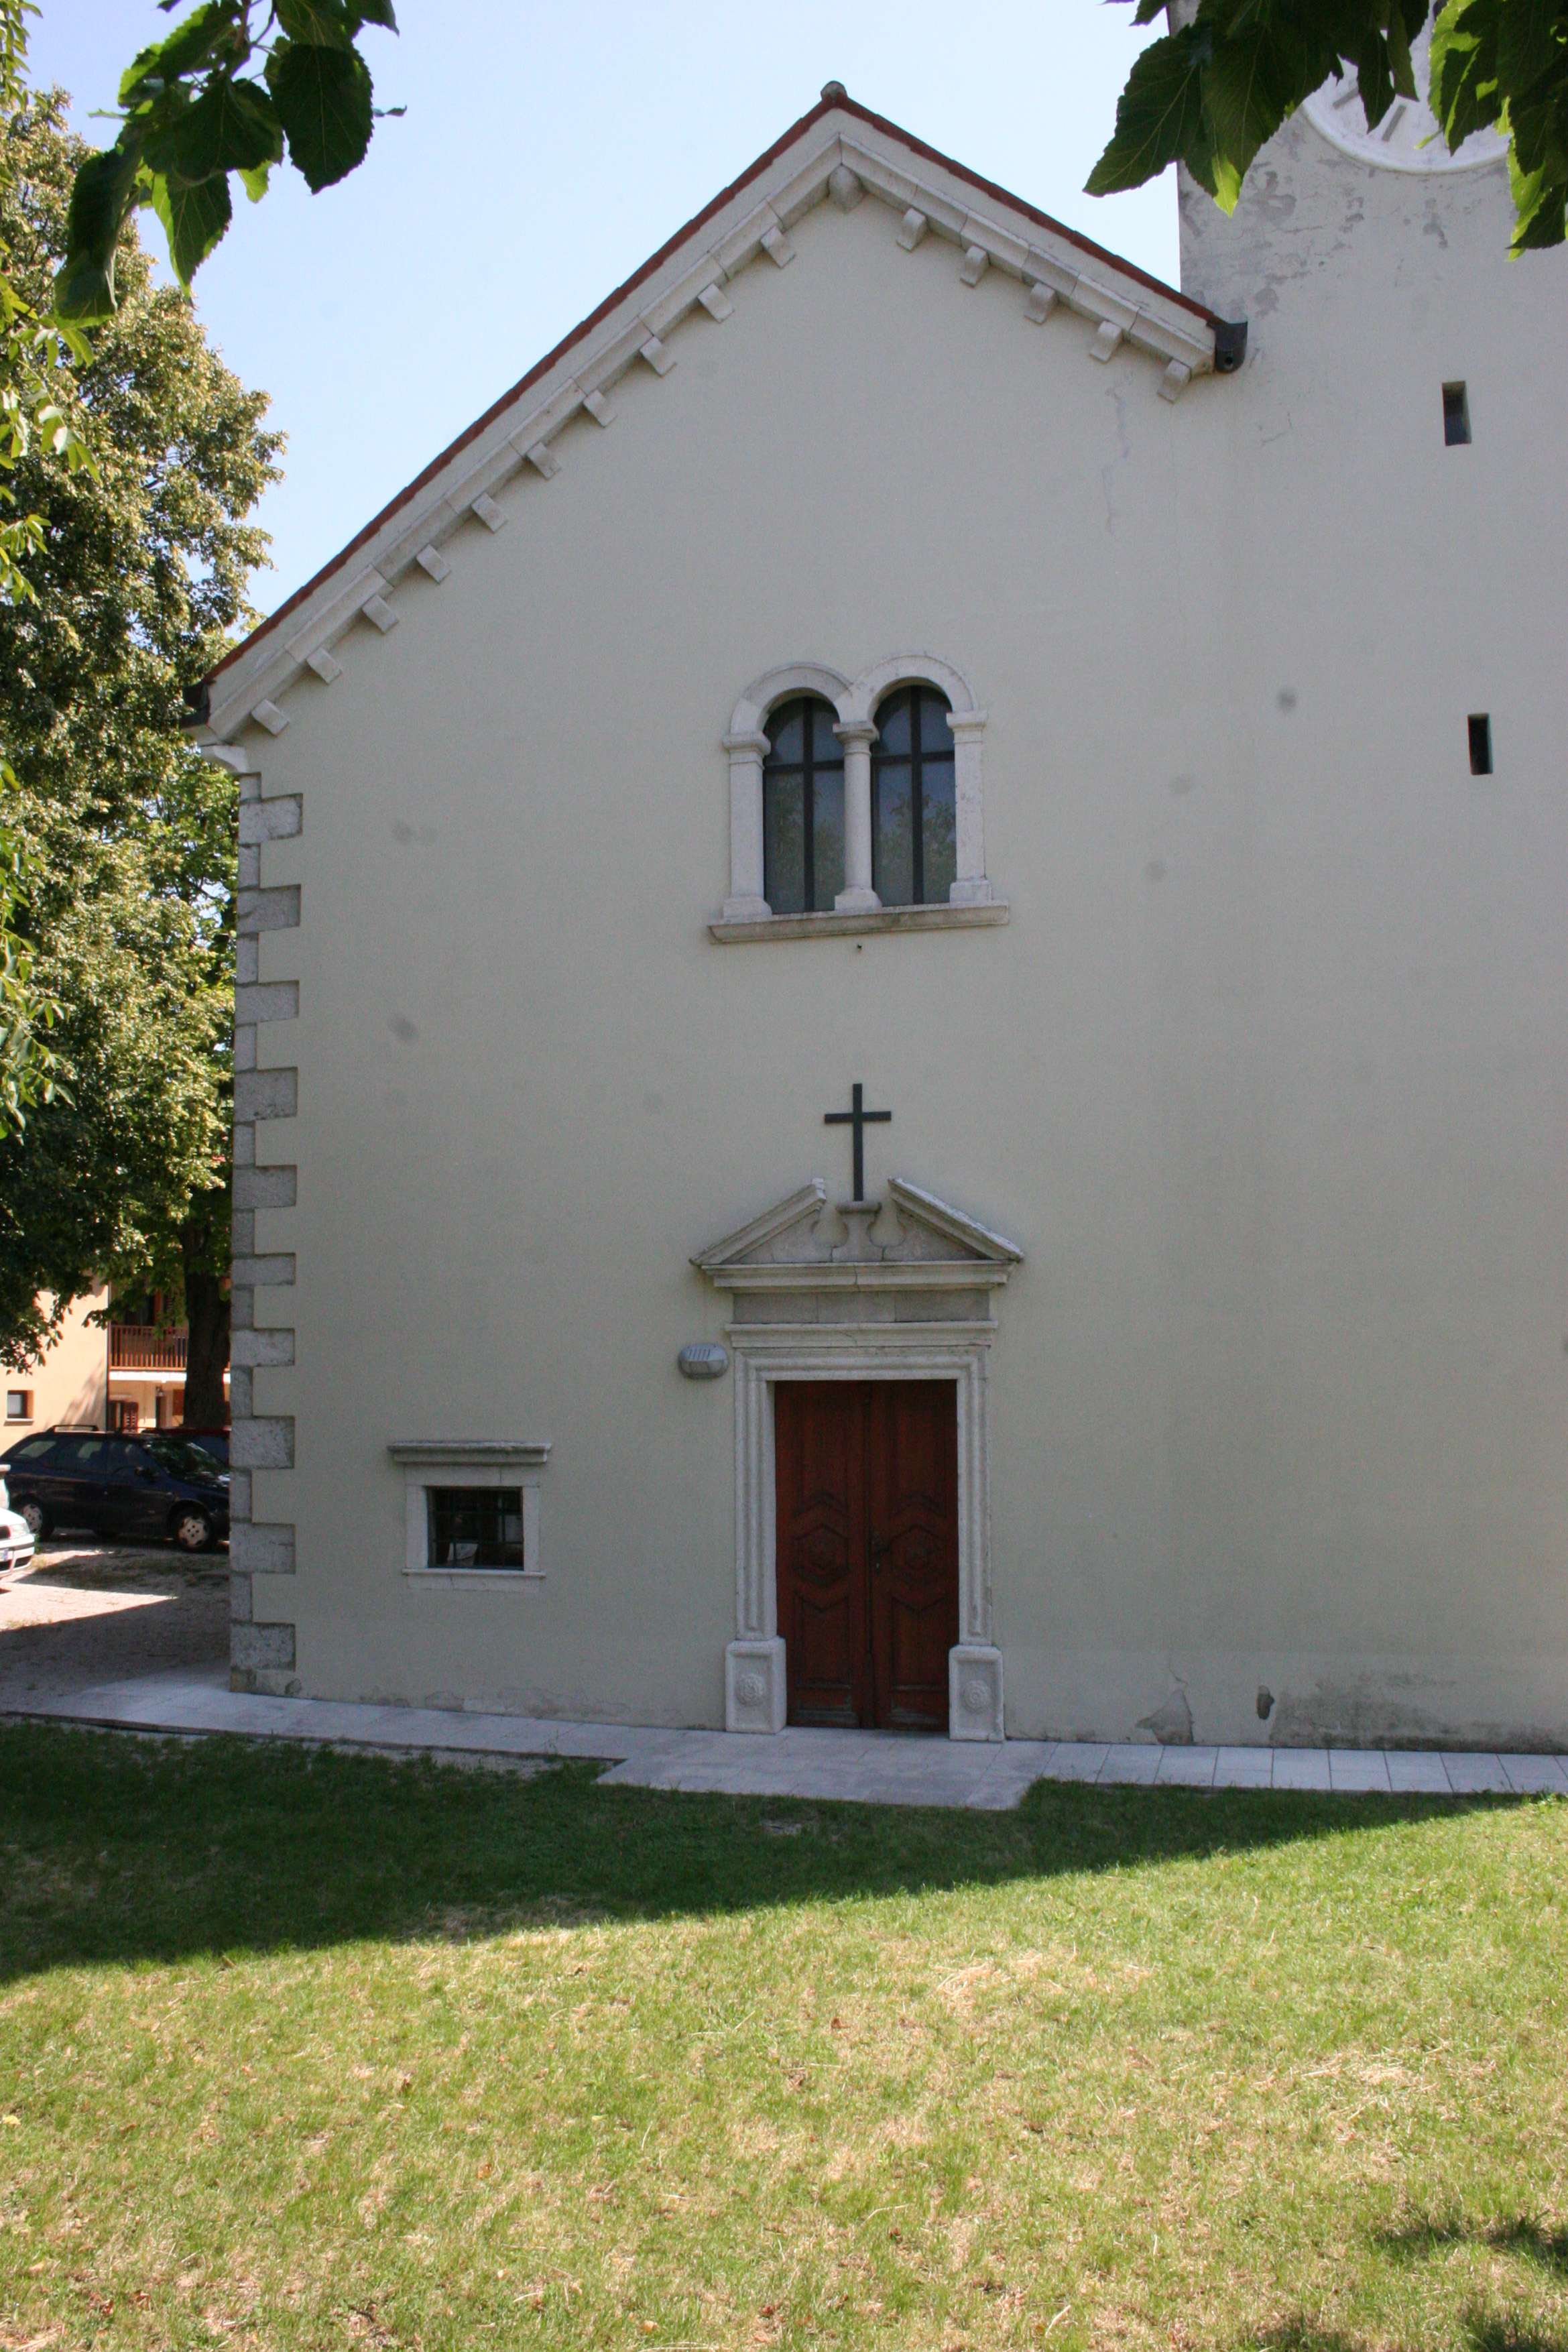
[902,992]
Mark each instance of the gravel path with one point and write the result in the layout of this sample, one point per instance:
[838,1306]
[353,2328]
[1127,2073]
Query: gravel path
[88,1612]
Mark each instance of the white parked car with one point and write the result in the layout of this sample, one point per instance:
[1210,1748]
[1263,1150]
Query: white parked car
[16,1535]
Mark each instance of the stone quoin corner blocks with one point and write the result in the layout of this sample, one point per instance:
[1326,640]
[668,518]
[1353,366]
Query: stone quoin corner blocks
[261,1550]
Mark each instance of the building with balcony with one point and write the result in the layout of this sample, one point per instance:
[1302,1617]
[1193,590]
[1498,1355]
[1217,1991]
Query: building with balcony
[129,1373]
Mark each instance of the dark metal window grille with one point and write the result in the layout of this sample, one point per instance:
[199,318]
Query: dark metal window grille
[476,1526]
[802,808]
[913,822]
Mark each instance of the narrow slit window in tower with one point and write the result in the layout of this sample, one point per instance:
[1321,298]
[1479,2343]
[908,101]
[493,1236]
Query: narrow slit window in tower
[1480,743]
[1456,415]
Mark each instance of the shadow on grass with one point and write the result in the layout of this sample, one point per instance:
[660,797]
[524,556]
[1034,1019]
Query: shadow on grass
[118,1849]
[1548,2249]
[1502,2332]
[1482,2331]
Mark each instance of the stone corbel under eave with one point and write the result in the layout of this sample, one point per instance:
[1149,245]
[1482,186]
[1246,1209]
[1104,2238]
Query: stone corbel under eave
[855,159]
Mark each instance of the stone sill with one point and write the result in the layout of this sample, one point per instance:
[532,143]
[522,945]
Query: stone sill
[474,1579]
[480,1453]
[829,924]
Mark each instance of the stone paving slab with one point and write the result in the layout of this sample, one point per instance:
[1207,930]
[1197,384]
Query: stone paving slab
[1302,1767]
[1417,1772]
[1243,1768]
[1471,1775]
[865,1766]
[1534,1776]
[1018,1764]
[1076,1760]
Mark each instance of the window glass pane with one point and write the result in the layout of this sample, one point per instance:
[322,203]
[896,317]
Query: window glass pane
[34,1450]
[893,725]
[892,848]
[786,732]
[936,735]
[81,1453]
[939,830]
[476,1526]
[828,808]
[176,1455]
[826,747]
[784,843]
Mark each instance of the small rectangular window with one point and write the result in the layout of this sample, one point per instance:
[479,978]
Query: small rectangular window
[1480,743]
[19,1405]
[476,1526]
[1456,415]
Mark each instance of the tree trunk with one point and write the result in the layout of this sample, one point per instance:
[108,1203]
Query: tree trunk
[207,1323]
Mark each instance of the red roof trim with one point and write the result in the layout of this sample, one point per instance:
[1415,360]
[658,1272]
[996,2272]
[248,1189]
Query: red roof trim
[825,106]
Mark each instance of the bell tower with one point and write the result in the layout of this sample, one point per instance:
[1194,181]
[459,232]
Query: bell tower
[1333,208]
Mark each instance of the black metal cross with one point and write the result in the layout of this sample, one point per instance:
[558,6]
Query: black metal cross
[860,1118]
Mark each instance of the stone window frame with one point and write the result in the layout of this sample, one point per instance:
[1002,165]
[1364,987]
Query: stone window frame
[428,1461]
[747,915]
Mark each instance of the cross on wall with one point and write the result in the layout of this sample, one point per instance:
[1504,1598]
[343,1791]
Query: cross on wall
[858,1118]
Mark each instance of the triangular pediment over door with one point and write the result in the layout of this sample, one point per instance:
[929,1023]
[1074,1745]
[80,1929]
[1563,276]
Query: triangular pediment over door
[870,1254]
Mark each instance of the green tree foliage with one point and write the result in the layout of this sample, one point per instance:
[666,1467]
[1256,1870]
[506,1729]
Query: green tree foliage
[235,85]
[125,900]
[1211,91]
[35,356]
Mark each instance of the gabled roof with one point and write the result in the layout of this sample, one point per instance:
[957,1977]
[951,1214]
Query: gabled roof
[839,151]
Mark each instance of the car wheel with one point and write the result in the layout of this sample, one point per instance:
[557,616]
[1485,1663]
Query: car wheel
[193,1528]
[37,1519]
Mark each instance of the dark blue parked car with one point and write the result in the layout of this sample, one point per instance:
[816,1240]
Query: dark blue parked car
[131,1487]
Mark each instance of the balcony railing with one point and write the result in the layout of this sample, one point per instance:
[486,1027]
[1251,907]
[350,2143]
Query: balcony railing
[144,1348]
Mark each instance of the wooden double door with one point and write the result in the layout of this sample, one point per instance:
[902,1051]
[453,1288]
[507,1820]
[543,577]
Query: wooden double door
[867,1550]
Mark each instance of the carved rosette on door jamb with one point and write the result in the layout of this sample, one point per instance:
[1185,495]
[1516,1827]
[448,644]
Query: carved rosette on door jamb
[261,1646]
[903,1292]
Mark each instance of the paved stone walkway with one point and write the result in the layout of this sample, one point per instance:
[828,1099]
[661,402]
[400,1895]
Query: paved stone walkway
[872,1768]
[90,1614]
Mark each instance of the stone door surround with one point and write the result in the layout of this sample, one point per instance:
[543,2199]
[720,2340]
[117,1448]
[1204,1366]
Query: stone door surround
[899,1289]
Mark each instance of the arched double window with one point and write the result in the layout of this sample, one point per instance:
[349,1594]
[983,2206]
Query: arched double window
[802,808]
[913,818]
[856,804]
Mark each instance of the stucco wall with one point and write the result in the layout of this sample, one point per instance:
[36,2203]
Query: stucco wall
[1264,1072]
[69,1387]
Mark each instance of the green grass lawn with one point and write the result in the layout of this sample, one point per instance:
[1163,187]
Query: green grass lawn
[301,2053]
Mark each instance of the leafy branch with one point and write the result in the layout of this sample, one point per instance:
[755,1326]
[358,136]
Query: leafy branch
[35,388]
[28,1067]
[1212,91]
[221,94]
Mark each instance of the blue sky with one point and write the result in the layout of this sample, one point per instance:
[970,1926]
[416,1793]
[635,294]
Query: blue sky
[545,154]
